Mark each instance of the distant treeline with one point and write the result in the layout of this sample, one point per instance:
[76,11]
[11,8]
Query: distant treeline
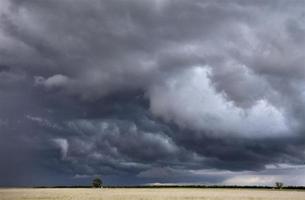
[183,186]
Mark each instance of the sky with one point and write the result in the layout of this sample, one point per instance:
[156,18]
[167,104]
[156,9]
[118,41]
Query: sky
[144,92]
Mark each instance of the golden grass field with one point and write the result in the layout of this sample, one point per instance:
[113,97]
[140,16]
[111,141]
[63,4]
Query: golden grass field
[149,194]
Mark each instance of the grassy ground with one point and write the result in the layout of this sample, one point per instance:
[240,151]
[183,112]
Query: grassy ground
[150,194]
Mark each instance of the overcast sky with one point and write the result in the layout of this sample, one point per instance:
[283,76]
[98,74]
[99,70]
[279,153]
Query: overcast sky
[152,91]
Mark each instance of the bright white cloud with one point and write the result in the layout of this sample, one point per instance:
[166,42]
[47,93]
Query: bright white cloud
[190,100]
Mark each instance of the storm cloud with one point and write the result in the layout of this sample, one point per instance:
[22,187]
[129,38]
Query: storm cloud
[144,92]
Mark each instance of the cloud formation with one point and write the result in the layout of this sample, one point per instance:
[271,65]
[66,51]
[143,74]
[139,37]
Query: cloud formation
[191,101]
[151,91]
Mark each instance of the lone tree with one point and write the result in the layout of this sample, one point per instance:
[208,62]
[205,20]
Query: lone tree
[97,183]
[279,185]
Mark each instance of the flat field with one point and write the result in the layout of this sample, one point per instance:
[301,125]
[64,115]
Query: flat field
[150,194]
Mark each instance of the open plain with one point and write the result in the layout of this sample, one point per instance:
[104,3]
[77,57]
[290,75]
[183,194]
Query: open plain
[150,194]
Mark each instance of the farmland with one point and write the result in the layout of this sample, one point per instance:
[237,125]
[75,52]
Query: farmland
[150,194]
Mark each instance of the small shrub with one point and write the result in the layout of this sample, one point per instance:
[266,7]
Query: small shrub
[97,183]
[279,185]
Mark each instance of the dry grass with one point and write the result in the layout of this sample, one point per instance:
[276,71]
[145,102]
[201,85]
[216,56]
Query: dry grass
[149,194]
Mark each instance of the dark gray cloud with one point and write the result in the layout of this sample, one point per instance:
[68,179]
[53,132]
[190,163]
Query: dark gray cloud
[143,92]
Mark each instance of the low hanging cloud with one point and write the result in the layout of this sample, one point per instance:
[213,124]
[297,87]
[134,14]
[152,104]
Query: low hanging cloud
[63,145]
[125,89]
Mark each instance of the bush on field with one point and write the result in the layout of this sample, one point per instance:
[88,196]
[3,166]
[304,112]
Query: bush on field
[97,183]
[279,185]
